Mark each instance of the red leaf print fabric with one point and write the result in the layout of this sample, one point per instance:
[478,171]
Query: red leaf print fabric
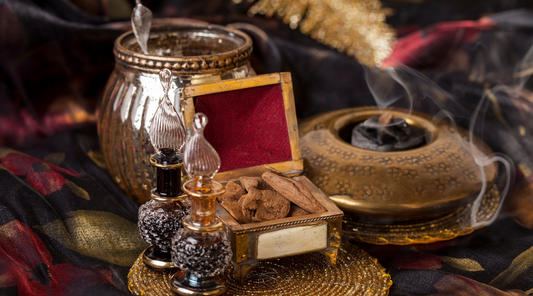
[26,262]
[41,175]
[440,39]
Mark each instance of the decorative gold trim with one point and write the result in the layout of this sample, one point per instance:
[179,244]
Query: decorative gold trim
[167,199]
[290,113]
[154,162]
[189,65]
[218,190]
[154,263]
[231,85]
[176,283]
[278,226]
[215,226]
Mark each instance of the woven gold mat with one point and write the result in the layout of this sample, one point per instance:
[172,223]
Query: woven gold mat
[356,273]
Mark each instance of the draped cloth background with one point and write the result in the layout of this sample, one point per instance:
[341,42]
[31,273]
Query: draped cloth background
[67,229]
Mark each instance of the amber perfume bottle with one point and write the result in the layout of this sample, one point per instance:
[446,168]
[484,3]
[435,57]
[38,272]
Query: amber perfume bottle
[161,217]
[201,249]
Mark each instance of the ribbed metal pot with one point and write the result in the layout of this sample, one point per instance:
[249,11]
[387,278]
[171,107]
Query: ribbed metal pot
[195,54]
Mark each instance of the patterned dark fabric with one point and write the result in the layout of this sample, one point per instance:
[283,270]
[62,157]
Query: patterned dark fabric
[67,229]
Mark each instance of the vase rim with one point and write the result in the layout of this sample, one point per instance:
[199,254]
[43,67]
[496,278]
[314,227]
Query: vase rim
[186,65]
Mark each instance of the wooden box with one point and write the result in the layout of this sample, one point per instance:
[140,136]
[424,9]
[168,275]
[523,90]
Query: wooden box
[252,122]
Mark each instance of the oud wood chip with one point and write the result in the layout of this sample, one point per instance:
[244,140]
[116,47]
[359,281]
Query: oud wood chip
[293,191]
[254,182]
[264,205]
[234,192]
[235,209]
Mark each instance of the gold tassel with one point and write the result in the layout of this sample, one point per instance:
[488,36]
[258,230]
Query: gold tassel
[355,27]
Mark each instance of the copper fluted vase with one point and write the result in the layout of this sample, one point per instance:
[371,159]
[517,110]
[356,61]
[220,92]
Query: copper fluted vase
[195,54]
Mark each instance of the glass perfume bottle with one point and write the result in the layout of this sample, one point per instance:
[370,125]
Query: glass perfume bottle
[201,249]
[160,218]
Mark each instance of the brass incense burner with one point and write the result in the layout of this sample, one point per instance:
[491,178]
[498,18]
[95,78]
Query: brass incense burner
[422,183]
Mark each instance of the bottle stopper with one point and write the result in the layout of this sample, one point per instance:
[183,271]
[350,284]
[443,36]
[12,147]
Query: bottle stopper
[141,21]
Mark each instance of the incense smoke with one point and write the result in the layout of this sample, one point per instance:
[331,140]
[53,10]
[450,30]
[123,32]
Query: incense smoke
[405,88]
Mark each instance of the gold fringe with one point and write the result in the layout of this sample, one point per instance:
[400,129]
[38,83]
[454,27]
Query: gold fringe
[355,27]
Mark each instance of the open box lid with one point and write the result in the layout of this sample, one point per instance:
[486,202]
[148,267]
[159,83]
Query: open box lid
[252,122]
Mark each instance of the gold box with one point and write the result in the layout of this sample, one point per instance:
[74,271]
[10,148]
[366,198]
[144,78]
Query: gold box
[252,122]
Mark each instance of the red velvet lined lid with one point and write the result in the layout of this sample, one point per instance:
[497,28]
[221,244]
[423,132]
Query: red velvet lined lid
[247,127]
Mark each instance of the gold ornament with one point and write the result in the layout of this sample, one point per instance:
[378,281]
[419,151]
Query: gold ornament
[355,27]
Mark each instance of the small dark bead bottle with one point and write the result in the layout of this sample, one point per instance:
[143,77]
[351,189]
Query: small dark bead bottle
[202,254]
[159,221]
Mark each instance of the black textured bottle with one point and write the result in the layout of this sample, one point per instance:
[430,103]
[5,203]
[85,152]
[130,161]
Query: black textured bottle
[161,217]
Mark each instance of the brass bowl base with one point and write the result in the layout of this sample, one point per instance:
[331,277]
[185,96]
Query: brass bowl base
[157,259]
[356,273]
[440,229]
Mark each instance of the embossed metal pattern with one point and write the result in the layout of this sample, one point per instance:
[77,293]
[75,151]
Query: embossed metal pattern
[404,185]
[356,273]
